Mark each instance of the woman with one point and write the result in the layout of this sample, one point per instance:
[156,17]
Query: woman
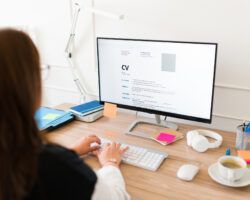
[29,168]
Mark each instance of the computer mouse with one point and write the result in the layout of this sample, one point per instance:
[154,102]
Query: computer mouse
[187,172]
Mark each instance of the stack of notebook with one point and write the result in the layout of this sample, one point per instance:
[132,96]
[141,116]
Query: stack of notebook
[87,108]
[49,118]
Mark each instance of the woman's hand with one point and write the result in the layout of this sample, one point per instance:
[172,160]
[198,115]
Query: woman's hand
[111,154]
[83,146]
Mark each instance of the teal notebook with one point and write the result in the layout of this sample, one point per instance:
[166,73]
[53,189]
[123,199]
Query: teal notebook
[87,108]
[49,118]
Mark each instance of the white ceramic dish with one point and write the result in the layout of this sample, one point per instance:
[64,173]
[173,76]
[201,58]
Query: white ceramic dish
[213,172]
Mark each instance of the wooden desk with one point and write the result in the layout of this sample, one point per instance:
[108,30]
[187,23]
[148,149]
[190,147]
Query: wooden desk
[162,184]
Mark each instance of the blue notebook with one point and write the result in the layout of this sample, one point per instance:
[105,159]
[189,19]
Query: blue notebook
[87,108]
[49,118]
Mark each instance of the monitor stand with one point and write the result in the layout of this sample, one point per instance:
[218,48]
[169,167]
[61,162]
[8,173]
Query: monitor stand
[157,121]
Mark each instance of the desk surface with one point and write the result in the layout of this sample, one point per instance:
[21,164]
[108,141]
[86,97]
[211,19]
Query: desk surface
[162,184]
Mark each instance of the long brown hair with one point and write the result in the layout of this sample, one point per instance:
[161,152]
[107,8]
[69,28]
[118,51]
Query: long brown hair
[20,94]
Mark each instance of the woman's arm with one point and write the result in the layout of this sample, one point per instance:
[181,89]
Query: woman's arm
[110,185]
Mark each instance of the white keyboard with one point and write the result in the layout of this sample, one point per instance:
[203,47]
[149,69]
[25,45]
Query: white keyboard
[141,157]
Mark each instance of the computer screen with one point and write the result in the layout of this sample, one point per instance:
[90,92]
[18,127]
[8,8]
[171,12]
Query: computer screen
[168,78]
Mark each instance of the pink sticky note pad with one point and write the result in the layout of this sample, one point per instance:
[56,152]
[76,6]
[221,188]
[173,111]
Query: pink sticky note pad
[166,137]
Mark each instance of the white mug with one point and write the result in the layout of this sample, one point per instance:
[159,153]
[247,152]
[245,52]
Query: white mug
[232,174]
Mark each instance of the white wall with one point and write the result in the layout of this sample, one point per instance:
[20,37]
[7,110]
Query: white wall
[221,21]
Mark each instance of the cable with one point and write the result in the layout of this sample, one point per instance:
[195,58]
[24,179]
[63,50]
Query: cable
[70,45]
[69,53]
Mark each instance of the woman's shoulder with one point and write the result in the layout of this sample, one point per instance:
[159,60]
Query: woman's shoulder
[55,159]
[55,154]
[62,174]
[56,151]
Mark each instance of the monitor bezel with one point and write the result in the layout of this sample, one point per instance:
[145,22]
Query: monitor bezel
[157,112]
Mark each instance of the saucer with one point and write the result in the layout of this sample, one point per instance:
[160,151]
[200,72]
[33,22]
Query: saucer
[213,172]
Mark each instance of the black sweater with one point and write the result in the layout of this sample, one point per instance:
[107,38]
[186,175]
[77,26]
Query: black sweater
[62,175]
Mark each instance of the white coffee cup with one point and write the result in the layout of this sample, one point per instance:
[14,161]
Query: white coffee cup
[232,168]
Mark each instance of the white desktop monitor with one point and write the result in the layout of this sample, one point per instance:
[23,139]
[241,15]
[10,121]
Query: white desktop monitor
[167,78]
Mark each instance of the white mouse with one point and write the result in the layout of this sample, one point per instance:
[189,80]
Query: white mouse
[187,172]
